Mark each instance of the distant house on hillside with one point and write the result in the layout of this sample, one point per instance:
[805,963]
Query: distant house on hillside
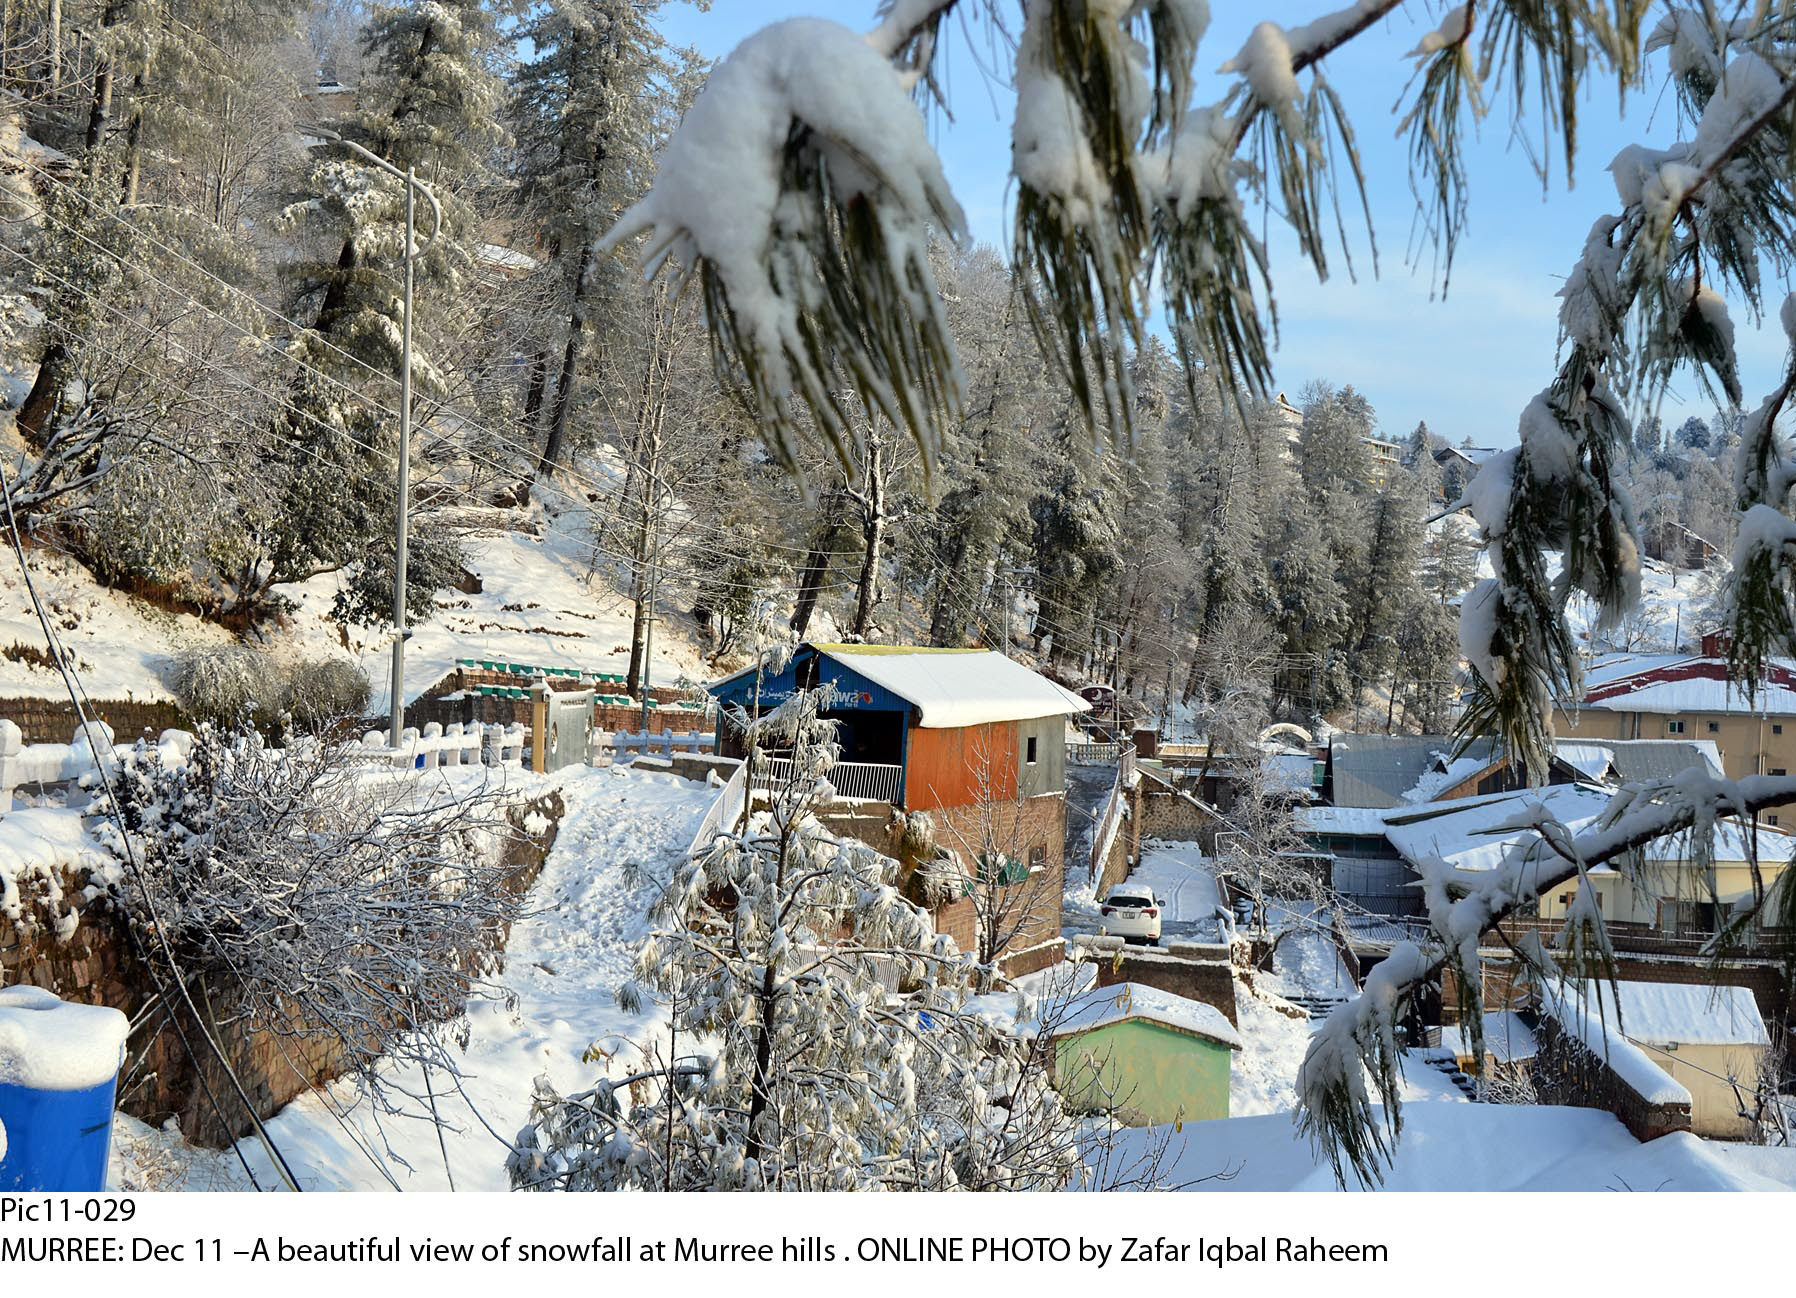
[968,735]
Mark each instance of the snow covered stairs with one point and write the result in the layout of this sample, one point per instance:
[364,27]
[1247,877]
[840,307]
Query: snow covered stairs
[1447,1065]
[1318,1005]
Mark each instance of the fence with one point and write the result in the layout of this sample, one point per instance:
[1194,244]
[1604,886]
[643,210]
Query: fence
[724,812]
[668,741]
[457,744]
[1097,754]
[1115,808]
[866,781]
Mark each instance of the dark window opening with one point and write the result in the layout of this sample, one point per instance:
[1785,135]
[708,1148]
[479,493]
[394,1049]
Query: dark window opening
[1030,758]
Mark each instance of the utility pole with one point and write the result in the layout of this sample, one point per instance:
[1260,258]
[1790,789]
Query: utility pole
[413,187]
[397,720]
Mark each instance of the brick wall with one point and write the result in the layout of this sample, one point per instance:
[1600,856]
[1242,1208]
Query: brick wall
[275,1062]
[1030,918]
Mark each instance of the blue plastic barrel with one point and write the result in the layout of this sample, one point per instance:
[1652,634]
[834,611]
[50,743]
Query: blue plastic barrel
[59,1065]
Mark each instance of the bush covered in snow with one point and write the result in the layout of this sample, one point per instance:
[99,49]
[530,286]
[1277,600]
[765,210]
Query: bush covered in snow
[228,686]
[324,691]
[790,1063]
[313,897]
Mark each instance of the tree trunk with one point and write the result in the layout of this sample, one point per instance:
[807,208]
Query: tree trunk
[873,529]
[45,389]
[570,360]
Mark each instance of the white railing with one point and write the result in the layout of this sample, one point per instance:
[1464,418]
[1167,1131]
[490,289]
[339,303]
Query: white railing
[668,741]
[472,744]
[1115,809]
[870,781]
[1095,754]
[724,812]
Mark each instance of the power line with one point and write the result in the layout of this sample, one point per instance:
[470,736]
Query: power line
[77,697]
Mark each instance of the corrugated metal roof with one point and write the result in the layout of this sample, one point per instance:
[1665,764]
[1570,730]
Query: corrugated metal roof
[1377,770]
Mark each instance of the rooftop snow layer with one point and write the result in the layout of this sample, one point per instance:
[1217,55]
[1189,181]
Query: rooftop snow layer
[1596,1027]
[953,688]
[1120,1002]
[1687,1014]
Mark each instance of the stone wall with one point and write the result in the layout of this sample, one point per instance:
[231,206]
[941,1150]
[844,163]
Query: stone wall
[99,964]
[52,721]
[1196,972]
[1567,1072]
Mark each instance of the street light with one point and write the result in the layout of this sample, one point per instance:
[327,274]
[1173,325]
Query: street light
[413,186]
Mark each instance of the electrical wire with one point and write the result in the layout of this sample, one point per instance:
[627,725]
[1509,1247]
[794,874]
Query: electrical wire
[77,697]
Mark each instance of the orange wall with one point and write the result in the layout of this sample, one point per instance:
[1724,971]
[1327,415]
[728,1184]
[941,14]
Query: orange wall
[956,768]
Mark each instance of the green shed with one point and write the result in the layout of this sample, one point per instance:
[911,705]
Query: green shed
[1146,1054]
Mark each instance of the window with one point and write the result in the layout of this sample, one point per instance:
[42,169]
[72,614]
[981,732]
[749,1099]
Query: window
[1038,857]
[1674,727]
[1714,727]
[1770,820]
[1030,758]
[1777,770]
[1777,727]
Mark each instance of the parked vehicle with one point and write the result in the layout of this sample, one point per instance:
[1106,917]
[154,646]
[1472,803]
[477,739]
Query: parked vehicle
[1132,913]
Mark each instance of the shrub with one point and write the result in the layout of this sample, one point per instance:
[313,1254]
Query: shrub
[326,691]
[229,687]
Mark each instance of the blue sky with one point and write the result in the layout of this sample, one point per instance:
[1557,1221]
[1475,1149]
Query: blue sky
[1467,363]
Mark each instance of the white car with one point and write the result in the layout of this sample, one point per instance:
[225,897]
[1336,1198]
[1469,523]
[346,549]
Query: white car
[1132,912]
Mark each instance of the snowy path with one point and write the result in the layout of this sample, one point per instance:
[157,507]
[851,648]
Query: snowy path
[563,964]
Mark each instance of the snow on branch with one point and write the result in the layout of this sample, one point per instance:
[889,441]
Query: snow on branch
[1347,1087]
[801,190]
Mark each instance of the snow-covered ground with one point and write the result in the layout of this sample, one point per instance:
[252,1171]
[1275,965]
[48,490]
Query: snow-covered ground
[542,604]
[1477,1147]
[563,964]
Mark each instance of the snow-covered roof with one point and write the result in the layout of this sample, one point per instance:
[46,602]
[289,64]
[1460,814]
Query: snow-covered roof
[1339,820]
[1120,1002]
[1629,761]
[1677,1014]
[1673,683]
[1507,1039]
[1469,836]
[1384,770]
[958,687]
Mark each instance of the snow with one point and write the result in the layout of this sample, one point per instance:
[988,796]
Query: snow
[563,965]
[47,1044]
[954,688]
[1454,25]
[732,141]
[45,846]
[1340,820]
[1264,62]
[1447,772]
[542,603]
[1506,1038]
[1664,1014]
[1474,1147]
[1120,1002]
[1480,836]
[1181,879]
